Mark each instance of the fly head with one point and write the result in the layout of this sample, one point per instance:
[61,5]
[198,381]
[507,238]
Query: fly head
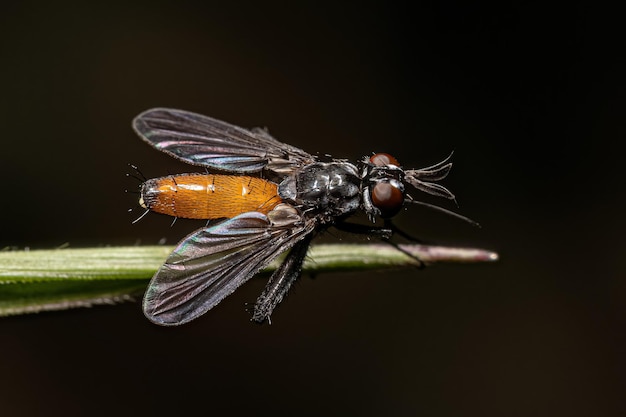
[383,184]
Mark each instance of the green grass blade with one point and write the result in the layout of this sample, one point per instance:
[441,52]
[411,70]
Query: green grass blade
[43,280]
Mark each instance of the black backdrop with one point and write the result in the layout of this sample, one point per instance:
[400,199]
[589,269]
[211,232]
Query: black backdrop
[531,97]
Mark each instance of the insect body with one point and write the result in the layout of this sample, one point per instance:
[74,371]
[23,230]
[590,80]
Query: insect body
[207,196]
[274,198]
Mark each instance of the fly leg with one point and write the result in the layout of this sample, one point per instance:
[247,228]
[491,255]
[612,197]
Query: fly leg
[394,229]
[389,225]
[384,233]
[280,281]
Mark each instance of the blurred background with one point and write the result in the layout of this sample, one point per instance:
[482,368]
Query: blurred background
[531,98]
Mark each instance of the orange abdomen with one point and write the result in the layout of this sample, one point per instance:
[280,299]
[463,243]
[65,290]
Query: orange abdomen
[208,196]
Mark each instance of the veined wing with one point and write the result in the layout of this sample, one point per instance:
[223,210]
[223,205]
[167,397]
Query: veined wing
[211,263]
[202,140]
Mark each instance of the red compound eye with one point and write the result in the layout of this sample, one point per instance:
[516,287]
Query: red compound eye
[382,159]
[387,198]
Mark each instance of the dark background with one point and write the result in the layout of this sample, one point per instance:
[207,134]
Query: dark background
[530,97]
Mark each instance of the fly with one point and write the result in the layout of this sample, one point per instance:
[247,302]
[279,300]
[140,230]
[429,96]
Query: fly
[272,198]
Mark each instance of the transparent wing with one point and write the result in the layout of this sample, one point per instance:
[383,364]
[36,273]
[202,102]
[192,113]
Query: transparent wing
[211,263]
[202,140]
